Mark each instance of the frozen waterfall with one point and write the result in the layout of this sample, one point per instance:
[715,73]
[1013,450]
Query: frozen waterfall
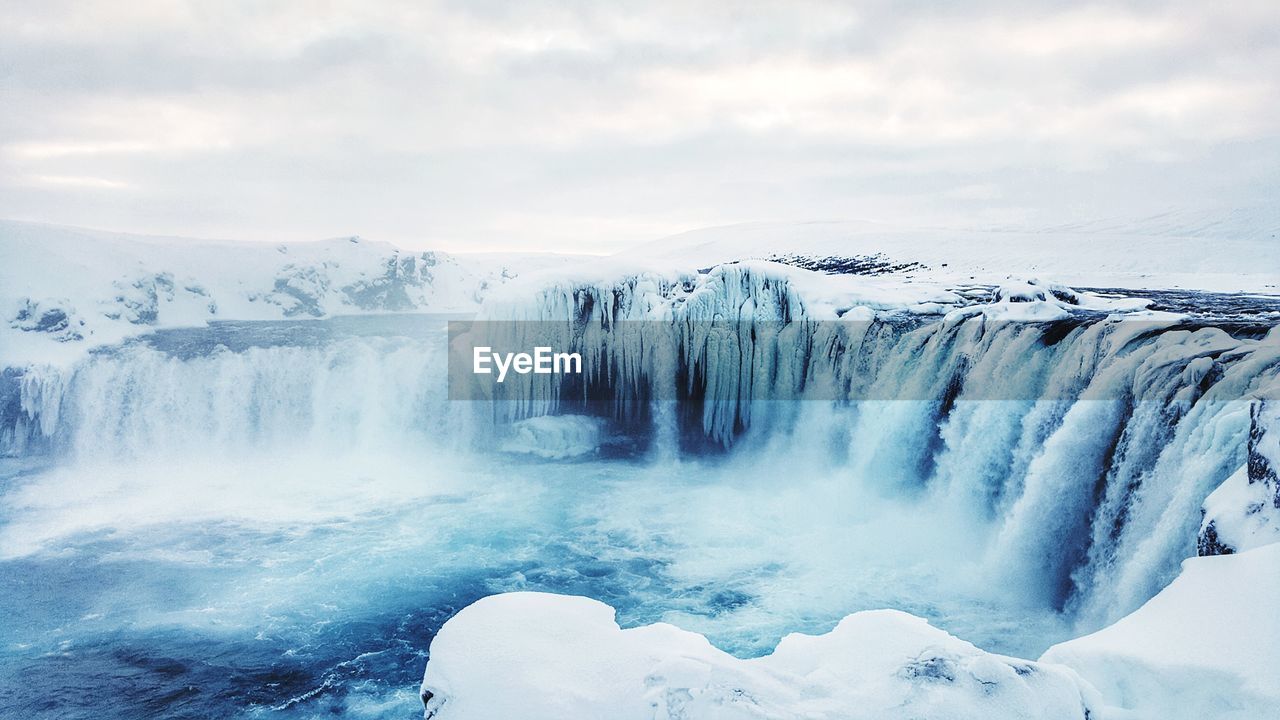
[1077,444]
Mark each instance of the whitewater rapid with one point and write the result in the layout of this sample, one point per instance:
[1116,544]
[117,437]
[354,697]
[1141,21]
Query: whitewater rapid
[763,464]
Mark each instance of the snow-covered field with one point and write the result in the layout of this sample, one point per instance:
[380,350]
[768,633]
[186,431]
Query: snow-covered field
[82,288]
[1200,648]
[828,470]
[1188,252]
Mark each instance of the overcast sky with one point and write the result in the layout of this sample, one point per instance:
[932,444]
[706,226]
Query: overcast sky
[592,126]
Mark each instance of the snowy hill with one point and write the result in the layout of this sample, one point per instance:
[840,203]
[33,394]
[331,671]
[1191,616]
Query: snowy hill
[64,289]
[1220,256]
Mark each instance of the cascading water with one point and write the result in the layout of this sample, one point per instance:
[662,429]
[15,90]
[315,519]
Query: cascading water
[785,462]
[1087,443]
[160,396]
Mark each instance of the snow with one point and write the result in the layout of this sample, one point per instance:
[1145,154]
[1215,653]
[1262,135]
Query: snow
[1244,512]
[724,288]
[535,655]
[65,289]
[1161,256]
[1208,645]
[555,436]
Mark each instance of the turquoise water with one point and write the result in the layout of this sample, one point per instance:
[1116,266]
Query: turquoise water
[273,520]
[303,603]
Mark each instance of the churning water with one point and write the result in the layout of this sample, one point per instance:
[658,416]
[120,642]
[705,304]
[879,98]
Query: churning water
[272,519]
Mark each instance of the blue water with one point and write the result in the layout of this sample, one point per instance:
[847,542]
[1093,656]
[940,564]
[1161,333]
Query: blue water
[287,577]
[246,618]
[181,620]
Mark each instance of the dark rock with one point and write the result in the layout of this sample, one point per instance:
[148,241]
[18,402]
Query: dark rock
[300,291]
[877,264]
[1261,423]
[1208,542]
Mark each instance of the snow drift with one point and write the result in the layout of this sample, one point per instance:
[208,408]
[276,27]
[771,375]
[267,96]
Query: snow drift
[545,656]
[1206,646]
[550,657]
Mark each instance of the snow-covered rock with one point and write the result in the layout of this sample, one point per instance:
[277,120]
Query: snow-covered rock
[538,656]
[742,332]
[1244,512]
[1207,646]
[57,318]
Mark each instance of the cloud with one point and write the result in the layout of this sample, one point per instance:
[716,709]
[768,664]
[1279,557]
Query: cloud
[85,182]
[588,126]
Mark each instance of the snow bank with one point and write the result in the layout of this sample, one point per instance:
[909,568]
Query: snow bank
[555,437]
[1207,646]
[534,655]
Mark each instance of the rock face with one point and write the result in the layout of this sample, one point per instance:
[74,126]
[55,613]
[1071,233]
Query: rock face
[534,655]
[1245,511]
[405,277]
[1208,543]
[1264,447]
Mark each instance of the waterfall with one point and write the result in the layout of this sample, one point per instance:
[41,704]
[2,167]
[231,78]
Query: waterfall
[138,401]
[1080,447]
[1086,442]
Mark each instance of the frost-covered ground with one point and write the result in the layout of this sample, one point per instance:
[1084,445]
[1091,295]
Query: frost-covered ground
[234,486]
